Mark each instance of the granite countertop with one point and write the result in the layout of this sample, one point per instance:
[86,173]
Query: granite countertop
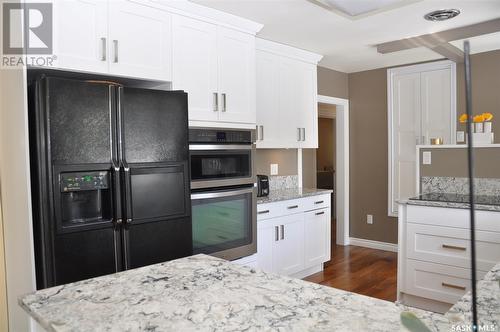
[202,293]
[452,200]
[291,193]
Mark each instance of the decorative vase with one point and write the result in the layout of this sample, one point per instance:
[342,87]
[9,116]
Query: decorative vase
[478,127]
[487,127]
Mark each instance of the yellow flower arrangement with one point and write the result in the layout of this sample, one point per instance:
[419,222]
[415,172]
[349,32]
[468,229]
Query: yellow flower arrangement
[463,118]
[487,116]
[478,118]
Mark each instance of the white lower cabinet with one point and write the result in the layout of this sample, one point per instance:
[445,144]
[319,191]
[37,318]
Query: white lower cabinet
[292,240]
[434,254]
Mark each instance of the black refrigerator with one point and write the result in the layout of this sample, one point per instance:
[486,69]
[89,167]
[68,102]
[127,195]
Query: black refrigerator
[110,178]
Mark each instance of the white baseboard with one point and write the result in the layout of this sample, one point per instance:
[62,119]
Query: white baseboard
[373,244]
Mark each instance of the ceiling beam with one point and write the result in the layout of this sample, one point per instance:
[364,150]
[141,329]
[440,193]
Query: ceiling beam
[434,40]
[450,52]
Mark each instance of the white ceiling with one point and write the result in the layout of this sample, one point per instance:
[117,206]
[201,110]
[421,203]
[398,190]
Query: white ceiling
[349,45]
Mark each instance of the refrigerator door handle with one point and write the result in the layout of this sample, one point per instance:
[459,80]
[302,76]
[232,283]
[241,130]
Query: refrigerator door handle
[128,196]
[119,124]
[117,197]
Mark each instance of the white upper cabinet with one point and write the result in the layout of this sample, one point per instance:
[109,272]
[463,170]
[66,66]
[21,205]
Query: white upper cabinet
[195,65]
[287,109]
[139,41]
[80,35]
[216,67]
[236,68]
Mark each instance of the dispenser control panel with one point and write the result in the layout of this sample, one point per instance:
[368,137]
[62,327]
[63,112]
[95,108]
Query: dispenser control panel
[84,181]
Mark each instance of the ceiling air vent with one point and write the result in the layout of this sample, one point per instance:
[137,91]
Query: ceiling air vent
[442,15]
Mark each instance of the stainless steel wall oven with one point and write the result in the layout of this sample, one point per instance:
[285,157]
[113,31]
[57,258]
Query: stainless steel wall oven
[223,193]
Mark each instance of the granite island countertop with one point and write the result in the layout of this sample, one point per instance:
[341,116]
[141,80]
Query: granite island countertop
[202,293]
[453,200]
[277,195]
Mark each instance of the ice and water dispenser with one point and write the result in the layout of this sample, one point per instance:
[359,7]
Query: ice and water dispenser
[85,197]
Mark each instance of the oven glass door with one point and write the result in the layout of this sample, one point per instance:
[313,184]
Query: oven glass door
[222,219]
[220,164]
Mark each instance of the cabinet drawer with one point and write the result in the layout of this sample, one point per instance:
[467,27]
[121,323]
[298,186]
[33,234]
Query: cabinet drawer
[278,209]
[458,218]
[317,202]
[437,282]
[451,246]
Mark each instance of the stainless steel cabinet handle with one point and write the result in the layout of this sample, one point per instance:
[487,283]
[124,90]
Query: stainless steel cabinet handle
[444,284]
[447,246]
[263,212]
[320,213]
[216,102]
[319,202]
[115,47]
[223,102]
[298,134]
[292,207]
[103,52]
[303,134]
[261,132]
[282,232]
[276,233]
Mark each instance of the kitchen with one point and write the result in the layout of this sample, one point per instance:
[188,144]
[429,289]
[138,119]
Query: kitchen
[217,59]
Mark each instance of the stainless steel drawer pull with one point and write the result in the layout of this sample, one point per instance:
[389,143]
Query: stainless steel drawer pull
[263,212]
[319,202]
[276,233]
[447,246]
[282,232]
[292,207]
[444,284]
[320,213]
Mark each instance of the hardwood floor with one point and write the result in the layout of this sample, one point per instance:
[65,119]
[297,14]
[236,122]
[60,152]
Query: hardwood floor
[360,270]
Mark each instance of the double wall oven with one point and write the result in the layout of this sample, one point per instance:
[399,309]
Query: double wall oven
[223,193]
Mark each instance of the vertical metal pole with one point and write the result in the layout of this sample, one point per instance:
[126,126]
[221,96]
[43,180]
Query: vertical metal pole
[470,157]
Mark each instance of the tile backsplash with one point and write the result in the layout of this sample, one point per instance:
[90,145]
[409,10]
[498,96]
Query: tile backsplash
[283,182]
[459,185]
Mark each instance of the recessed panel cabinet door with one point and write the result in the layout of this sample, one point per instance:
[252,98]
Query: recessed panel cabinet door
[288,252]
[305,101]
[317,236]
[195,66]
[140,41]
[80,35]
[236,73]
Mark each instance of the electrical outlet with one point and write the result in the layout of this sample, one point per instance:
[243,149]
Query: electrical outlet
[426,158]
[274,169]
[460,137]
[369,219]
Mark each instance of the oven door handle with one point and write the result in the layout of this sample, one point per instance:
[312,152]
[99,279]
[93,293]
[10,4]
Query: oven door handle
[217,194]
[220,147]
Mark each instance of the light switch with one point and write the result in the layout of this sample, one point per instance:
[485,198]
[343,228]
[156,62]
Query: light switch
[426,158]
[274,169]
[460,137]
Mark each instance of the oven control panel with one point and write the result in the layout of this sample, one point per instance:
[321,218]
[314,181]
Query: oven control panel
[221,136]
[84,181]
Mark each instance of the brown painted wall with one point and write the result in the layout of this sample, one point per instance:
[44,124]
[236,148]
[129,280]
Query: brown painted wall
[325,156]
[453,162]
[285,158]
[485,68]
[332,83]
[308,168]
[368,164]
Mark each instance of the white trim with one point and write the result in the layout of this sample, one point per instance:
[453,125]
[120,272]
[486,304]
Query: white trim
[342,166]
[457,146]
[299,168]
[219,124]
[287,51]
[386,246]
[418,68]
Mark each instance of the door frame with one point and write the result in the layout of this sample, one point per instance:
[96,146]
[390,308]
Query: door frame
[342,166]
[418,68]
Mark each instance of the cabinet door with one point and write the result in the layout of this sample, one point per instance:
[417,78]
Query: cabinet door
[266,236]
[195,66]
[287,89]
[139,41]
[316,237]
[268,112]
[288,251]
[437,113]
[307,105]
[80,35]
[236,76]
